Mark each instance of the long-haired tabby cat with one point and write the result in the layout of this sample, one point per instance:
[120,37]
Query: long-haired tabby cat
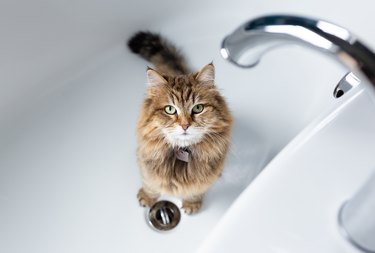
[184,126]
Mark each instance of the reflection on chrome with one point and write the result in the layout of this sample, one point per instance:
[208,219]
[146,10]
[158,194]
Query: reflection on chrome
[249,42]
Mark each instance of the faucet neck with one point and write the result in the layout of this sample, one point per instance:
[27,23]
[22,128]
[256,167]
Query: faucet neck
[246,45]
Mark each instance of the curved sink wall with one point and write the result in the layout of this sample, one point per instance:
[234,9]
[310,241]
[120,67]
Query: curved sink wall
[293,205]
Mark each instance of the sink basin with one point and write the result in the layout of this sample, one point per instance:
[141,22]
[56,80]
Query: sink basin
[70,97]
[293,205]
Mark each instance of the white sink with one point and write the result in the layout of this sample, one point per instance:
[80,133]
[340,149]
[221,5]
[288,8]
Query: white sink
[293,205]
[69,102]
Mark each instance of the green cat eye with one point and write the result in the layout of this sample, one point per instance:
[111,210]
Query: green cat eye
[170,109]
[198,108]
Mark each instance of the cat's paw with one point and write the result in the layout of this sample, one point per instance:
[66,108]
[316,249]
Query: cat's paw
[191,207]
[145,199]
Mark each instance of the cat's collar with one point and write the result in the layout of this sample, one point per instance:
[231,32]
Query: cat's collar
[182,154]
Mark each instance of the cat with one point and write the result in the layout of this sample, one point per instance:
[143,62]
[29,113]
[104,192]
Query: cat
[184,126]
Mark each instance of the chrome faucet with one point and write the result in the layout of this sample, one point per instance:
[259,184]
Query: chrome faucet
[248,43]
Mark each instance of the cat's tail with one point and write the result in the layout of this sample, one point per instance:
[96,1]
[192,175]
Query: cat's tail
[160,52]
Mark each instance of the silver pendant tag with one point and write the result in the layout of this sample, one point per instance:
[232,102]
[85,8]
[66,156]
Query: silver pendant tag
[182,155]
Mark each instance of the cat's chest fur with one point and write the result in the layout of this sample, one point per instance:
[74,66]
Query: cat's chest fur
[180,169]
[180,160]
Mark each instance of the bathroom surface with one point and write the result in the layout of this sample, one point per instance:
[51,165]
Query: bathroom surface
[70,93]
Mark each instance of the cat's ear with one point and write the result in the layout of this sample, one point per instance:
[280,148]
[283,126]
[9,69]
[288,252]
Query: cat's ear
[155,79]
[206,74]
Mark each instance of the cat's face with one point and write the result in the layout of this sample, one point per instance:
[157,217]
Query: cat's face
[186,109]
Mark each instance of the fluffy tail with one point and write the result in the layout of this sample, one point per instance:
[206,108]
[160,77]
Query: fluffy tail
[160,52]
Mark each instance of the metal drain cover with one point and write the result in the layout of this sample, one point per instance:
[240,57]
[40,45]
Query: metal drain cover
[164,215]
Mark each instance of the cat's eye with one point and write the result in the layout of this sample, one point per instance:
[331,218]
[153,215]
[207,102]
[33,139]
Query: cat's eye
[170,110]
[198,108]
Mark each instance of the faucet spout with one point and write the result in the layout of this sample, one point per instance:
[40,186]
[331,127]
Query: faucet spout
[248,43]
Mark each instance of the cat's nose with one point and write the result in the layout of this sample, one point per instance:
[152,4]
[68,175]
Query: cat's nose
[185,126]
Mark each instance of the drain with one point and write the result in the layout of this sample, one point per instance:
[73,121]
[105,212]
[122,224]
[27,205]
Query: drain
[164,215]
